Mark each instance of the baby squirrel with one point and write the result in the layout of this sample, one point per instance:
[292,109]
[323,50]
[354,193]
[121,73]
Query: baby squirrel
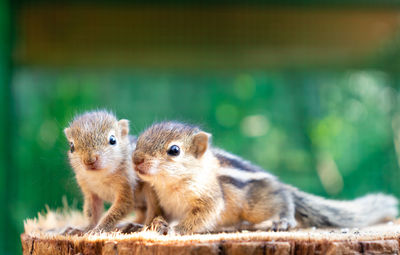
[101,156]
[207,189]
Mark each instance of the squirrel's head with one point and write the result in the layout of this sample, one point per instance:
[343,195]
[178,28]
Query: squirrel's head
[169,149]
[97,141]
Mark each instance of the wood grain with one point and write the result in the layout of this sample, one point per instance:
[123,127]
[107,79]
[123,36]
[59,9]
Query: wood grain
[34,245]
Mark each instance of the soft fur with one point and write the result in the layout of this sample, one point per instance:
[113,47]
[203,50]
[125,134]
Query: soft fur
[104,171]
[206,189]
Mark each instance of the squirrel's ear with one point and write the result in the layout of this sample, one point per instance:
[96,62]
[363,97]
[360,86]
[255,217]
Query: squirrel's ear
[67,132]
[124,127]
[200,143]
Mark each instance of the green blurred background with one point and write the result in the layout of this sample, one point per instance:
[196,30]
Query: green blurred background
[309,91]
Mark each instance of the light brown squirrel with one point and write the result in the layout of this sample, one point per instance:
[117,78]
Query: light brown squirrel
[101,156]
[207,189]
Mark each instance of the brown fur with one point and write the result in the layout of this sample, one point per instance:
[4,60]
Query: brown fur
[191,187]
[146,203]
[112,179]
[207,189]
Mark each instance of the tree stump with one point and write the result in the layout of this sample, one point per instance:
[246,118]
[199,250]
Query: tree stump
[41,237]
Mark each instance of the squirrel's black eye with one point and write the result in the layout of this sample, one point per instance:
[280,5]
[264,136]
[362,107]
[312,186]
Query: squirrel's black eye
[174,150]
[112,140]
[72,147]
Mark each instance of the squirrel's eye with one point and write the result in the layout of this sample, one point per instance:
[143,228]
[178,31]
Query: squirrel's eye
[72,147]
[112,140]
[174,150]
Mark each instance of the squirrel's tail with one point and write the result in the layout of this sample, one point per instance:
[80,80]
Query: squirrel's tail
[364,211]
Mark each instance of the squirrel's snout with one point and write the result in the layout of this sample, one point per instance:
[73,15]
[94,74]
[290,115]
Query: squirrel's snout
[138,157]
[138,160]
[140,166]
[91,161]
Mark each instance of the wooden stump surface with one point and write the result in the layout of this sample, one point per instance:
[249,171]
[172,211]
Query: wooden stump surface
[34,245]
[41,237]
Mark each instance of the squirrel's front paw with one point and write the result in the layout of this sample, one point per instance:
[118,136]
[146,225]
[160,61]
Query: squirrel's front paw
[99,229]
[160,225]
[127,228]
[73,231]
[282,225]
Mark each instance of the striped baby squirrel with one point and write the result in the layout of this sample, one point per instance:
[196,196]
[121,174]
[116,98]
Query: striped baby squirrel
[207,189]
[100,154]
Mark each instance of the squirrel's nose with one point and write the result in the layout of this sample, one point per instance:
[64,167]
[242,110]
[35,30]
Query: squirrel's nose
[138,160]
[91,160]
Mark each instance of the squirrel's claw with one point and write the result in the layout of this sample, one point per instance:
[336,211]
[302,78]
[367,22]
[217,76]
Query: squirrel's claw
[127,228]
[282,225]
[73,231]
[160,225]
